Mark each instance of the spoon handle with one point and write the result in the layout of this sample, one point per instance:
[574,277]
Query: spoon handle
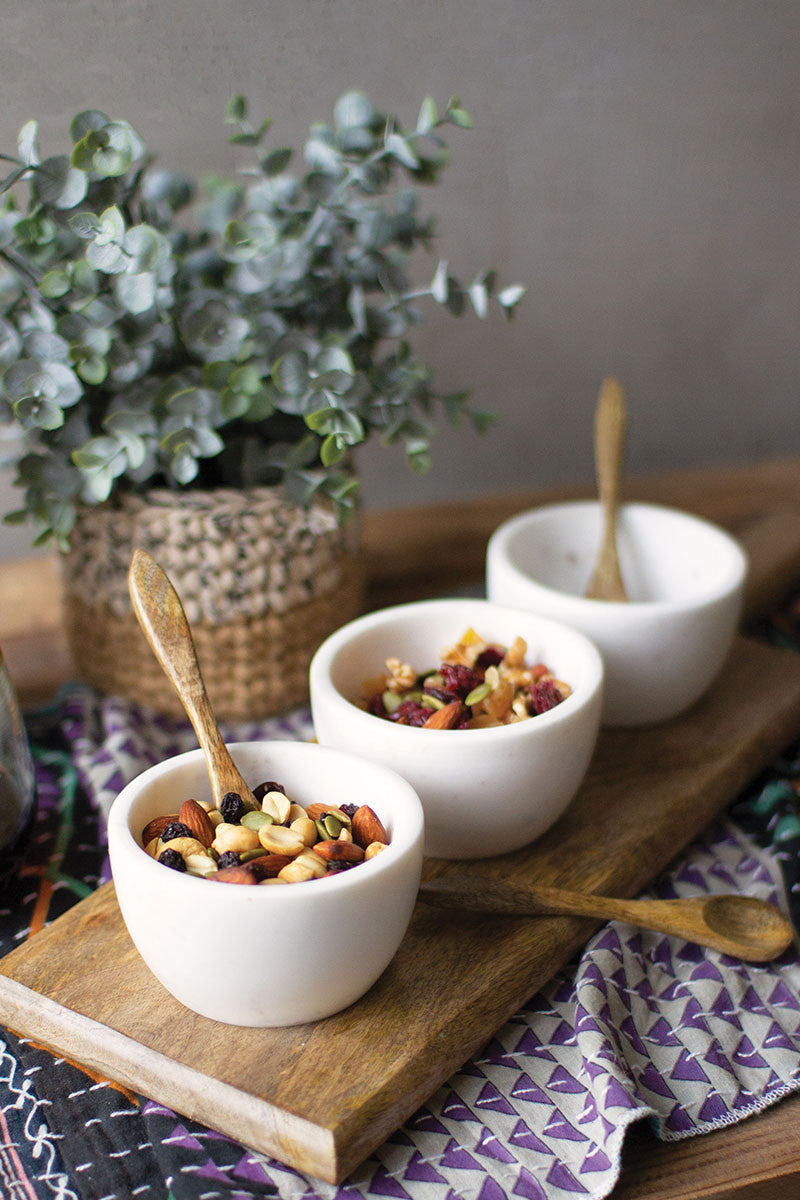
[609,438]
[160,613]
[753,930]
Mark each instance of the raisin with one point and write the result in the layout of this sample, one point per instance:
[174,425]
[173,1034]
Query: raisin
[229,858]
[544,695]
[341,864]
[175,829]
[232,808]
[171,858]
[269,786]
[349,810]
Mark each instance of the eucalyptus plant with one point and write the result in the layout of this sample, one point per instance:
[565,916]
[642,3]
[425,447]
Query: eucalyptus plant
[251,330]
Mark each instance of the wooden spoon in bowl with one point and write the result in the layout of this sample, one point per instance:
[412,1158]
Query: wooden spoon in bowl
[609,435]
[741,926]
[160,613]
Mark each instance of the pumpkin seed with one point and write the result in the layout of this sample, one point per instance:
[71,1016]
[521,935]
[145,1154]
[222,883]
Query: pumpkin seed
[332,826]
[254,820]
[246,855]
[431,702]
[391,700]
[477,694]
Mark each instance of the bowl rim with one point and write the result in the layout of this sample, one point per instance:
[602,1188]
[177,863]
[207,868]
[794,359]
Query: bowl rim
[125,841]
[321,681]
[733,580]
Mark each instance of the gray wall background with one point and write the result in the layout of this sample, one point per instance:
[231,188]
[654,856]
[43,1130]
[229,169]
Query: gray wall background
[636,163]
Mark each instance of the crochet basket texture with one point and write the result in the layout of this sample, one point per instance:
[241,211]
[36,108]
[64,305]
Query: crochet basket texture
[261,580]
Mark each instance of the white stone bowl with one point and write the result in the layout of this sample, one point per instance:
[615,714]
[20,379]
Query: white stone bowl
[684,576]
[268,956]
[484,791]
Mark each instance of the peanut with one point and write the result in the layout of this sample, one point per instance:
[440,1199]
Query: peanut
[277,805]
[277,839]
[305,829]
[234,837]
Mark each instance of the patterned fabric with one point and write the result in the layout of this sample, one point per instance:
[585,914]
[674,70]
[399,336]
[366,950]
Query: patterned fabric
[642,1026]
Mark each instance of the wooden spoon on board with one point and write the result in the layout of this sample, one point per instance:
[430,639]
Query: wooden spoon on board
[609,435]
[737,925]
[160,613]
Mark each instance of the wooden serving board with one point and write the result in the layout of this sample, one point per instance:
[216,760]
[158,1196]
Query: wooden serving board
[320,1097]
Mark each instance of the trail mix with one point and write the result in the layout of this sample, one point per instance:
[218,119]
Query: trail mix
[477,685]
[280,842]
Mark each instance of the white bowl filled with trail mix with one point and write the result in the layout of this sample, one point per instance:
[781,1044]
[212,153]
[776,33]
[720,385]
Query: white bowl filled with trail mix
[490,713]
[246,910]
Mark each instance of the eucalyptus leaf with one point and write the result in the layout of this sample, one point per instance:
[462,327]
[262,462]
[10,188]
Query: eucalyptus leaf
[440,284]
[136,293]
[86,122]
[290,374]
[28,143]
[276,161]
[428,116]
[85,225]
[58,183]
[235,109]
[511,296]
[402,151]
[353,109]
[10,342]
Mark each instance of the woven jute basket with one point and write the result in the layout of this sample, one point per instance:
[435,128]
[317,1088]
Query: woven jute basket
[262,582]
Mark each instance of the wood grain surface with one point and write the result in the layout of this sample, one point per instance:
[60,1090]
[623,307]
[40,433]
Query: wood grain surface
[322,1096]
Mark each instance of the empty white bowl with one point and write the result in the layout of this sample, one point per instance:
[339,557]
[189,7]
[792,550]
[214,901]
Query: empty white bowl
[684,577]
[483,791]
[280,955]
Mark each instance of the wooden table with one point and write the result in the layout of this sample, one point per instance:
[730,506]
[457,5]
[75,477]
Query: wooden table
[416,552]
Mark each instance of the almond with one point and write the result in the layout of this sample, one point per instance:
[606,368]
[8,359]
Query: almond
[235,875]
[153,828]
[336,851]
[367,827]
[268,865]
[444,718]
[197,820]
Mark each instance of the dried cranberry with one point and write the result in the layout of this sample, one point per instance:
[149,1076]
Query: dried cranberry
[410,712]
[458,679]
[229,858]
[261,789]
[175,829]
[376,706]
[232,808]
[544,695]
[490,657]
[171,858]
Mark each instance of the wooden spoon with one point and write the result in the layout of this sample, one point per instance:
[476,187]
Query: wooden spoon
[161,616]
[609,435]
[737,925]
